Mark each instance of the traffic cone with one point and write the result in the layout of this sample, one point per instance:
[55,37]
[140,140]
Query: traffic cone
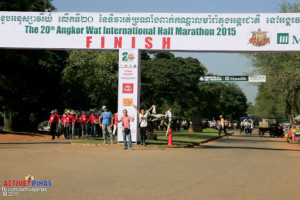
[170,142]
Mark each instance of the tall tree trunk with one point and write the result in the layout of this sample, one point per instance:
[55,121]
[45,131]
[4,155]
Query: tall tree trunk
[7,119]
[196,120]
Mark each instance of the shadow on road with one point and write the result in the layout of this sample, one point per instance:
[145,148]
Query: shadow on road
[35,134]
[36,143]
[251,141]
[248,148]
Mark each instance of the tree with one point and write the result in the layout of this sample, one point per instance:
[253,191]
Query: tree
[280,95]
[170,81]
[91,79]
[27,5]
[222,98]
[23,73]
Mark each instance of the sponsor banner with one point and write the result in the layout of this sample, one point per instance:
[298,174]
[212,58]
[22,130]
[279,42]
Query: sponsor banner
[258,78]
[129,90]
[254,78]
[232,32]
[222,78]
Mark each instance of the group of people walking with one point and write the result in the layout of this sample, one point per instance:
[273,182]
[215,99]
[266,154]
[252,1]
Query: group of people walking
[71,125]
[77,125]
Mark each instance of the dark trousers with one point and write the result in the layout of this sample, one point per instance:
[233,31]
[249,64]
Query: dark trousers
[68,130]
[224,129]
[53,130]
[143,133]
[77,131]
[64,129]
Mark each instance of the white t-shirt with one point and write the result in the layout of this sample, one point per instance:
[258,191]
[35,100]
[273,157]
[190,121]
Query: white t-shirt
[143,120]
[247,124]
[169,115]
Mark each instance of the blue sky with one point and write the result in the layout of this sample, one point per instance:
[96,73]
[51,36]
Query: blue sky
[216,63]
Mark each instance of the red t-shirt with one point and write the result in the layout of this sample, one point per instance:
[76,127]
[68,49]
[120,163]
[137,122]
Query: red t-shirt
[84,119]
[116,119]
[77,119]
[63,119]
[57,115]
[69,118]
[92,118]
[53,119]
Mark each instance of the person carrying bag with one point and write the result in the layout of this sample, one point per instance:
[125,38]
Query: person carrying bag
[126,129]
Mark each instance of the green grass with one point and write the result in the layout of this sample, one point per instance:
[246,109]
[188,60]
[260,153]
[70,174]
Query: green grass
[180,138]
[185,138]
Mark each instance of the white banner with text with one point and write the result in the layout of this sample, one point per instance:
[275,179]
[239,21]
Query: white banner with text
[129,90]
[215,32]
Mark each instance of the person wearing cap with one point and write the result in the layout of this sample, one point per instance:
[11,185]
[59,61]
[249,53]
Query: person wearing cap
[222,126]
[106,122]
[77,124]
[52,123]
[68,122]
[62,123]
[58,123]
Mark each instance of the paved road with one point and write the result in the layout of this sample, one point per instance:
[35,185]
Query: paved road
[241,167]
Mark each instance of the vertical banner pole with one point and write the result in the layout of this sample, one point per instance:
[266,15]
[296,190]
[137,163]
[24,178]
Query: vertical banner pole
[129,87]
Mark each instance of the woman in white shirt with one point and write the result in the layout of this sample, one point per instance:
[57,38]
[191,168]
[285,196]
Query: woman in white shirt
[143,123]
[168,119]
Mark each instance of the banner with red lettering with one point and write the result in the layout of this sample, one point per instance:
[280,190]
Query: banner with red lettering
[210,32]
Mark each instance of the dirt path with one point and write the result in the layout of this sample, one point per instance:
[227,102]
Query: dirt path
[11,137]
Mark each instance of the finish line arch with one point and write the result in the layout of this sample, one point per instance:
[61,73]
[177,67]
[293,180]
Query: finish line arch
[132,32]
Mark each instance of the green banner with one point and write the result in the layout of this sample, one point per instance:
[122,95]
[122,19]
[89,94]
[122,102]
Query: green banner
[223,78]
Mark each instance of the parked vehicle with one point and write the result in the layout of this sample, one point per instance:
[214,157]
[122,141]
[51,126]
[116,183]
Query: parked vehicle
[270,125]
[285,124]
[43,127]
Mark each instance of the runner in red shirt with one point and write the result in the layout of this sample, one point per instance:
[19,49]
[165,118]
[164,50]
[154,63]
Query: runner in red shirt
[68,121]
[63,124]
[77,124]
[52,123]
[85,120]
[58,132]
[94,125]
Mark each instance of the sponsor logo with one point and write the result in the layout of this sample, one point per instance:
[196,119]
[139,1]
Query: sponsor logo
[127,88]
[128,65]
[128,73]
[259,38]
[127,56]
[283,38]
[127,102]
